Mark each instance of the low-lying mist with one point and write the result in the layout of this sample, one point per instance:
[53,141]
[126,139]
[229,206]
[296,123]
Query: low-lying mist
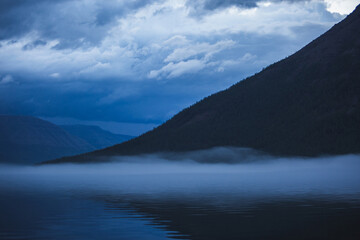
[258,175]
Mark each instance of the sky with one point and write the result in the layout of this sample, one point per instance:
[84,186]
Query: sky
[130,65]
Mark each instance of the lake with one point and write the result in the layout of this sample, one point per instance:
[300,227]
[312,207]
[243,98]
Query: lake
[158,199]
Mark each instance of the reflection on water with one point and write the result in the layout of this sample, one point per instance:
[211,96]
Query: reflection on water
[276,219]
[312,199]
[25,216]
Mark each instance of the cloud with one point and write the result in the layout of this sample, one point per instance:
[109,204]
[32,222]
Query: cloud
[34,44]
[132,44]
[118,94]
[247,59]
[179,62]
[341,6]
[210,5]
[6,79]
[177,40]
[172,70]
[55,75]
[203,7]
[180,54]
[73,23]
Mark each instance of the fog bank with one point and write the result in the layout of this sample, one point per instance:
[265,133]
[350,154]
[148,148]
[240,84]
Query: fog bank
[153,175]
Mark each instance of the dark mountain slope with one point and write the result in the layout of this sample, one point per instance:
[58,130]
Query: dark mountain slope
[31,140]
[307,104]
[95,136]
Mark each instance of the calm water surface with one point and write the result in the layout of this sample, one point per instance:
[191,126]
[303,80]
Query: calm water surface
[287,199]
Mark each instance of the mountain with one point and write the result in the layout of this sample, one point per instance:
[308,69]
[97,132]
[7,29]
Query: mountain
[29,140]
[305,105]
[95,135]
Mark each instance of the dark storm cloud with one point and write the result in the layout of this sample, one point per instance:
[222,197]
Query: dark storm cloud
[17,17]
[34,44]
[215,4]
[110,10]
[204,6]
[74,23]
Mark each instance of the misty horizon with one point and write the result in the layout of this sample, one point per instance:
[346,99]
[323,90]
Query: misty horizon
[321,175]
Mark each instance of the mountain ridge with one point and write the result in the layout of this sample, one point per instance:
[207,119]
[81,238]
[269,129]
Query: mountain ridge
[307,104]
[26,139]
[96,136]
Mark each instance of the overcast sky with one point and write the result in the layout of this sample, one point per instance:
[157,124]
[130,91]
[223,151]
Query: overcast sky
[141,61]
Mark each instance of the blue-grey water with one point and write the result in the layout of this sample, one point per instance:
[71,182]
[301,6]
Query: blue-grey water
[148,198]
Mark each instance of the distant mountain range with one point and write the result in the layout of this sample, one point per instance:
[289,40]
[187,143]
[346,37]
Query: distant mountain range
[28,140]
[305,105]
[95,136]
